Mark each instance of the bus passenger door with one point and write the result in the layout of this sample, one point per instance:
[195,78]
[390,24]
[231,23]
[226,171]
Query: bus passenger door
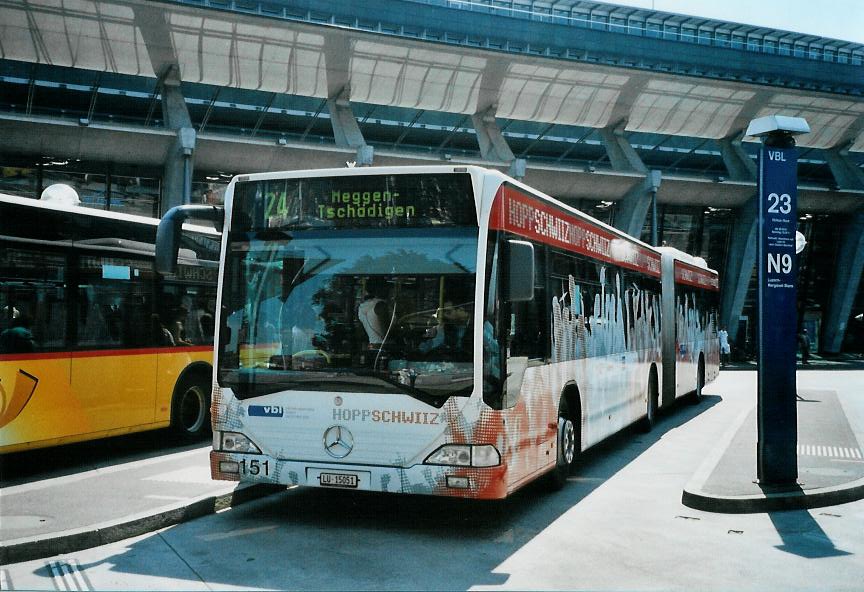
[114,365]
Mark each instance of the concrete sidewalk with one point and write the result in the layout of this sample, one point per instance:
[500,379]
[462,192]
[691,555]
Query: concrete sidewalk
[93,507]
[830,459]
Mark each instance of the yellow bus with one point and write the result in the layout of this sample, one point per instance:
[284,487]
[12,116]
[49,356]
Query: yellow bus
[94,343]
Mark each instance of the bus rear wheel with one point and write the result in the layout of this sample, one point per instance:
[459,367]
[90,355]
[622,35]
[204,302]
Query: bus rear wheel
[653,403]
[567,446]
[700,383]
[190,409]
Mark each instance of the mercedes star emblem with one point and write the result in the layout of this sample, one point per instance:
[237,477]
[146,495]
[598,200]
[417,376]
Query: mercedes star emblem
[338,441]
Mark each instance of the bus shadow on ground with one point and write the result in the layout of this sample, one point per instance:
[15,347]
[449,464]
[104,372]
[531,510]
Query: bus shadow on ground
[326,539]
[29,466]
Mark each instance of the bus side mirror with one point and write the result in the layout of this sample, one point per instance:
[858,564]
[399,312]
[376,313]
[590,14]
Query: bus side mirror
[170,227]
[519,267]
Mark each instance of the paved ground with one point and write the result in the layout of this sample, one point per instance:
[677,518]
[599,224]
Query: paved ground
[78,496]
[618,525]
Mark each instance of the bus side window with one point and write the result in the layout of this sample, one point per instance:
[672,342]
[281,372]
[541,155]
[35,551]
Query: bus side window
[32,301]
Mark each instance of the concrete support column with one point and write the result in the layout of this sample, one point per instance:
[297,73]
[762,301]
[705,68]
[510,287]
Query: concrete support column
[632,209]
[346,130]
[739,164]
[846,174]
[740,261]
[848,268]
[179,159]
[493,146]
[622,155]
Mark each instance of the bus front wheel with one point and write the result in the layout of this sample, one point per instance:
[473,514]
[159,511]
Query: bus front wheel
[190,409]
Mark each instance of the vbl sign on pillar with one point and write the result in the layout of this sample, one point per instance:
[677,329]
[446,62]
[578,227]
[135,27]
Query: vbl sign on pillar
[778,317]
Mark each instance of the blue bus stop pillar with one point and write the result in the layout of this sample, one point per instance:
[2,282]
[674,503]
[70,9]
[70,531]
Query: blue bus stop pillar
[777,419]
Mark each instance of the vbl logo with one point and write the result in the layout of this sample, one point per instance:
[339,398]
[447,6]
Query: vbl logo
[266,411]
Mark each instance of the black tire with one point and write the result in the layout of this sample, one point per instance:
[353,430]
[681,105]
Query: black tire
[700,383]
[651,411]
[567,446]
[190,408]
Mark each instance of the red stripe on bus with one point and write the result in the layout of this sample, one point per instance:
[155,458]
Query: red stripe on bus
[99,353]
[695,276]
[526,216]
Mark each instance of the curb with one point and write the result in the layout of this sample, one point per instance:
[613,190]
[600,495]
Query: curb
[771,502]
[694,495]
[27,549]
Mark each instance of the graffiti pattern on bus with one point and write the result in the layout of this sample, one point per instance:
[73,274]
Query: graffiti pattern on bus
[613,324]
[695,331]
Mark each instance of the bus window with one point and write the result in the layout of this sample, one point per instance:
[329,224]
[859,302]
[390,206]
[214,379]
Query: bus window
[32,301]
[113,302]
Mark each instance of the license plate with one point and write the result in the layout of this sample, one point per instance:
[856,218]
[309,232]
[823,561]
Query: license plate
[338,480]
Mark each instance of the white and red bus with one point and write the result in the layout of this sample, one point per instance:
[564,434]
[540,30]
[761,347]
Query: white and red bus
[691,297]
[435,330]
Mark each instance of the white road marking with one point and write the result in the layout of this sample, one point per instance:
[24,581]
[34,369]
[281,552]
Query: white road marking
[829,451]
[5,581]
[67,576]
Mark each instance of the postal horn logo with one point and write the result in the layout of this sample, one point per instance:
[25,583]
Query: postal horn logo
[338,441]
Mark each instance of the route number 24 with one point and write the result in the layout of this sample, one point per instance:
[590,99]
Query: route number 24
[779,203]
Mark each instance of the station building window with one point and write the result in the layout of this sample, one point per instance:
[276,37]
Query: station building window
[134,195]
[22,181]
[91,188]
[115,187]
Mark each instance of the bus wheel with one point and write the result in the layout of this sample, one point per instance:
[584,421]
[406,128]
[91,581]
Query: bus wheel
[651,411]
[567,446]
[190,409]
[700,383]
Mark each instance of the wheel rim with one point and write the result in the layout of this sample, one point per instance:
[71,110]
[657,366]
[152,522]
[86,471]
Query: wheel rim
[568,440]
[192,409]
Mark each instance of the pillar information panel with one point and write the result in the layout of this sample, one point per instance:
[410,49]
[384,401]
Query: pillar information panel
[777,415]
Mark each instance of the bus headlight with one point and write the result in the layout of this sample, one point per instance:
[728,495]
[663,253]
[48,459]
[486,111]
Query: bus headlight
[465,455]
[237,442]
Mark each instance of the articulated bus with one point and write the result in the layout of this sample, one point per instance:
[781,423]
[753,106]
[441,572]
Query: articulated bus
[92,342]
[432,330]
[691,297]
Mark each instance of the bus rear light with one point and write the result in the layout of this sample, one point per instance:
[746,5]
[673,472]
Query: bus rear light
[237,442]
[465,455]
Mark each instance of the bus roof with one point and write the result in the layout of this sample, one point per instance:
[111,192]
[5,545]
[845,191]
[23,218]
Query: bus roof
[686,258]
[85,211]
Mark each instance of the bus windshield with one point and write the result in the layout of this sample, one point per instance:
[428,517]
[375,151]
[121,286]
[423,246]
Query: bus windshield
[381,306]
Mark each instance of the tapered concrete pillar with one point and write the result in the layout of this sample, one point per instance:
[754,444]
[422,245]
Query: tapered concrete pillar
[622,155]
[848,267]
[740,262]
[632,210]
[738,163]
[179,159]
[493,146]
